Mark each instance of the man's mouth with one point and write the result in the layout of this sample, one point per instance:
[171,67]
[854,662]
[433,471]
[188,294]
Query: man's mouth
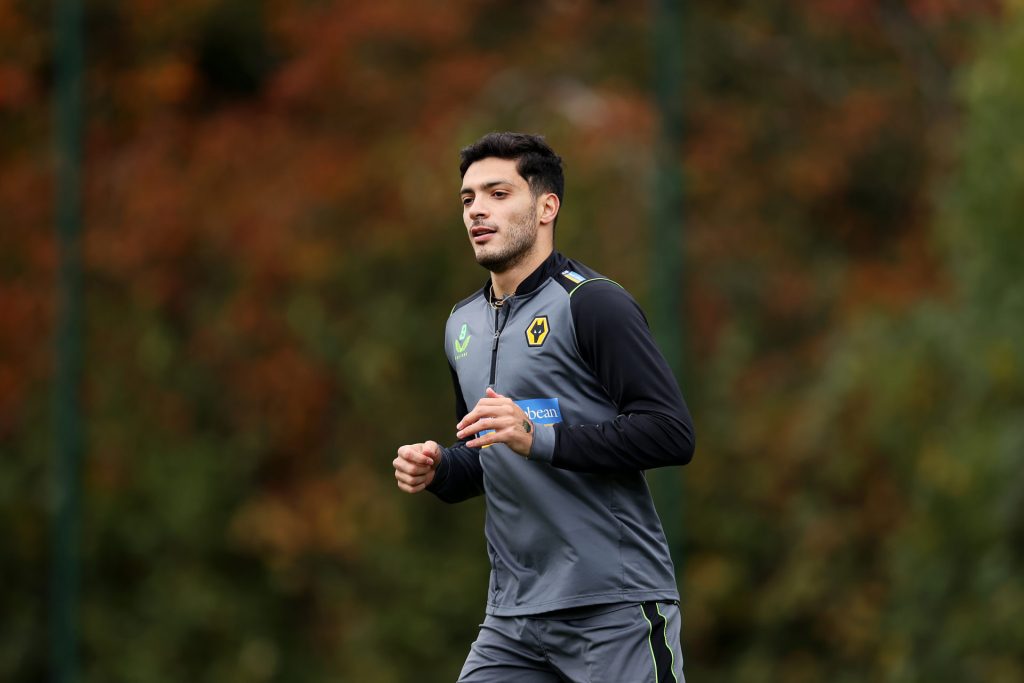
[481,233]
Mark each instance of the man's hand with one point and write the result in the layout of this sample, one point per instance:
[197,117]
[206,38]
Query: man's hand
[415,465]
[510,424]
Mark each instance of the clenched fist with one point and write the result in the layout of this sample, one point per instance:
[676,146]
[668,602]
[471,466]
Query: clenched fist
[415,465]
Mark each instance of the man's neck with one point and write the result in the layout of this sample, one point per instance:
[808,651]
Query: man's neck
[503,284]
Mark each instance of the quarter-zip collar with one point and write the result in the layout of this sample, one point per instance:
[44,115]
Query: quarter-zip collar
[552,265]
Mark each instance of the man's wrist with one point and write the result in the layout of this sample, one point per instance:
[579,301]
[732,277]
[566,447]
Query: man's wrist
[440,470]
[543,446]
[528,428]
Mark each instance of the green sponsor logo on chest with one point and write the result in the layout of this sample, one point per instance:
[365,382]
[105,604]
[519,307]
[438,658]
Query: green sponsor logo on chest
[462,343]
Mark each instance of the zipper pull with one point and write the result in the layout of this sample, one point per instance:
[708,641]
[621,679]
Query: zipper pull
[494,346]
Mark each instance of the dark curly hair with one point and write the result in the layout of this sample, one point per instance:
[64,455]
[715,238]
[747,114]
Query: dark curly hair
[535,161]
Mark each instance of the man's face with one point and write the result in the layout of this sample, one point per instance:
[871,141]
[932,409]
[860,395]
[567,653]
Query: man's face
[500,213]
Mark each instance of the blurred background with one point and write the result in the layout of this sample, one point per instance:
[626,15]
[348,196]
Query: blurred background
[272,240]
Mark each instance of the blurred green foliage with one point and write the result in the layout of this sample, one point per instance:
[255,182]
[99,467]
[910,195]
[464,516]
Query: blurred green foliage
[273,243]
[888,545]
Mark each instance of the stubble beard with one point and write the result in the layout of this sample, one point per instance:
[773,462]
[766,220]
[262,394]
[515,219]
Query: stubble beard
[521,235]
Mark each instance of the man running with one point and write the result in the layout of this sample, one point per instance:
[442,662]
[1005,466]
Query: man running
[563,400]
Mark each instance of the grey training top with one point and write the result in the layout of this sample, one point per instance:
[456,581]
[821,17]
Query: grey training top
[574,524]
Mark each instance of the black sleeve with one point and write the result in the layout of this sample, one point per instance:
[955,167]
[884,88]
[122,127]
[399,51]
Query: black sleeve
[653,428]
[459,475]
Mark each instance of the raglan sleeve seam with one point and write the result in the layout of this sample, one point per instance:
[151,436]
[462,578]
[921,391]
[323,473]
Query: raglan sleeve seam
[653,428]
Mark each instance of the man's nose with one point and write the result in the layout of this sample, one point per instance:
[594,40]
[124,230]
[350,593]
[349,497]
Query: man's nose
[477,209]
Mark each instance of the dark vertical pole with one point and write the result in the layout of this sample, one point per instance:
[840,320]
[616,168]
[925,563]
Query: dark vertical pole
[666,235]
[64,576]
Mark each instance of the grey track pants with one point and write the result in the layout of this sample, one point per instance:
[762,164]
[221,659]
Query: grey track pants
[627,643]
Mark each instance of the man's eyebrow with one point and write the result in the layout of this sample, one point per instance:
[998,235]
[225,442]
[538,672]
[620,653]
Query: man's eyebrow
[488,185]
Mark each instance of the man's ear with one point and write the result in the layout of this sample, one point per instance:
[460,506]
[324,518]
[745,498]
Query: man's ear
[548,210]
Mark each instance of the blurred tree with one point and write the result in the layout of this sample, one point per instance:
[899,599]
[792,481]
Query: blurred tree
[889,538]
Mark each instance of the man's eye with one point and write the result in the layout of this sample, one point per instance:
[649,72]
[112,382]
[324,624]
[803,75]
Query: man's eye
[466,201]
[500,194]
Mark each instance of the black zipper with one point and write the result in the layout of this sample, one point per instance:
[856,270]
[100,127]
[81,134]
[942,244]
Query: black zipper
[497,333]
